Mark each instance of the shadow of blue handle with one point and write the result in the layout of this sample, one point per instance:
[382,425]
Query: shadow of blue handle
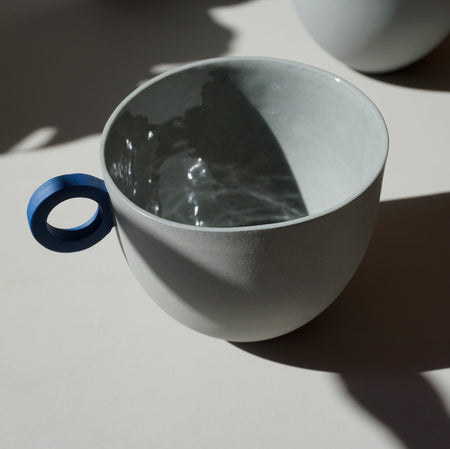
[54,192]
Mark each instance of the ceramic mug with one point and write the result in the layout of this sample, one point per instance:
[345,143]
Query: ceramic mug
[243,190]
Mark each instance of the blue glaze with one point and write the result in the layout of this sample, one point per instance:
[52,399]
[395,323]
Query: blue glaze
[54,192]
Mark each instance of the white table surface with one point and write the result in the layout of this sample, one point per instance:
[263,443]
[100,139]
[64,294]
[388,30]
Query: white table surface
[88,361]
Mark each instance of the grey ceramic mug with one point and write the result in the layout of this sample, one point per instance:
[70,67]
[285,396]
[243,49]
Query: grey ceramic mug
[244,192]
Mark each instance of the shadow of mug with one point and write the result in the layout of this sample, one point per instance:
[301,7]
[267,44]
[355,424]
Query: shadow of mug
[393,316]
[388,325]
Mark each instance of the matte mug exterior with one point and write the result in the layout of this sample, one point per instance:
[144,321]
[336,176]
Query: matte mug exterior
[247,284]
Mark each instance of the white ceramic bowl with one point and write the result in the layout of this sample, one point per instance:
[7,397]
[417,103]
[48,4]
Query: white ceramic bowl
[376,36]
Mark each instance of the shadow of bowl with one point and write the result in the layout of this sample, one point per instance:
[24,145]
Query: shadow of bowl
[429,73]
[394,314]
[67,64]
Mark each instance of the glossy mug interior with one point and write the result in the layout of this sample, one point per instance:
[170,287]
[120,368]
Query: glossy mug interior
[244,192]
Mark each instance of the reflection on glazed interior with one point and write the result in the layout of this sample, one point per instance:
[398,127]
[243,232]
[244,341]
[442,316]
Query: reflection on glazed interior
[218,165]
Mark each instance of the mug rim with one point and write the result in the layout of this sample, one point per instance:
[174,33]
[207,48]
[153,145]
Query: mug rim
[226,59]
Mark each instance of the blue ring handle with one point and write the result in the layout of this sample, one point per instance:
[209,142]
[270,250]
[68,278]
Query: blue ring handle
[59,189]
